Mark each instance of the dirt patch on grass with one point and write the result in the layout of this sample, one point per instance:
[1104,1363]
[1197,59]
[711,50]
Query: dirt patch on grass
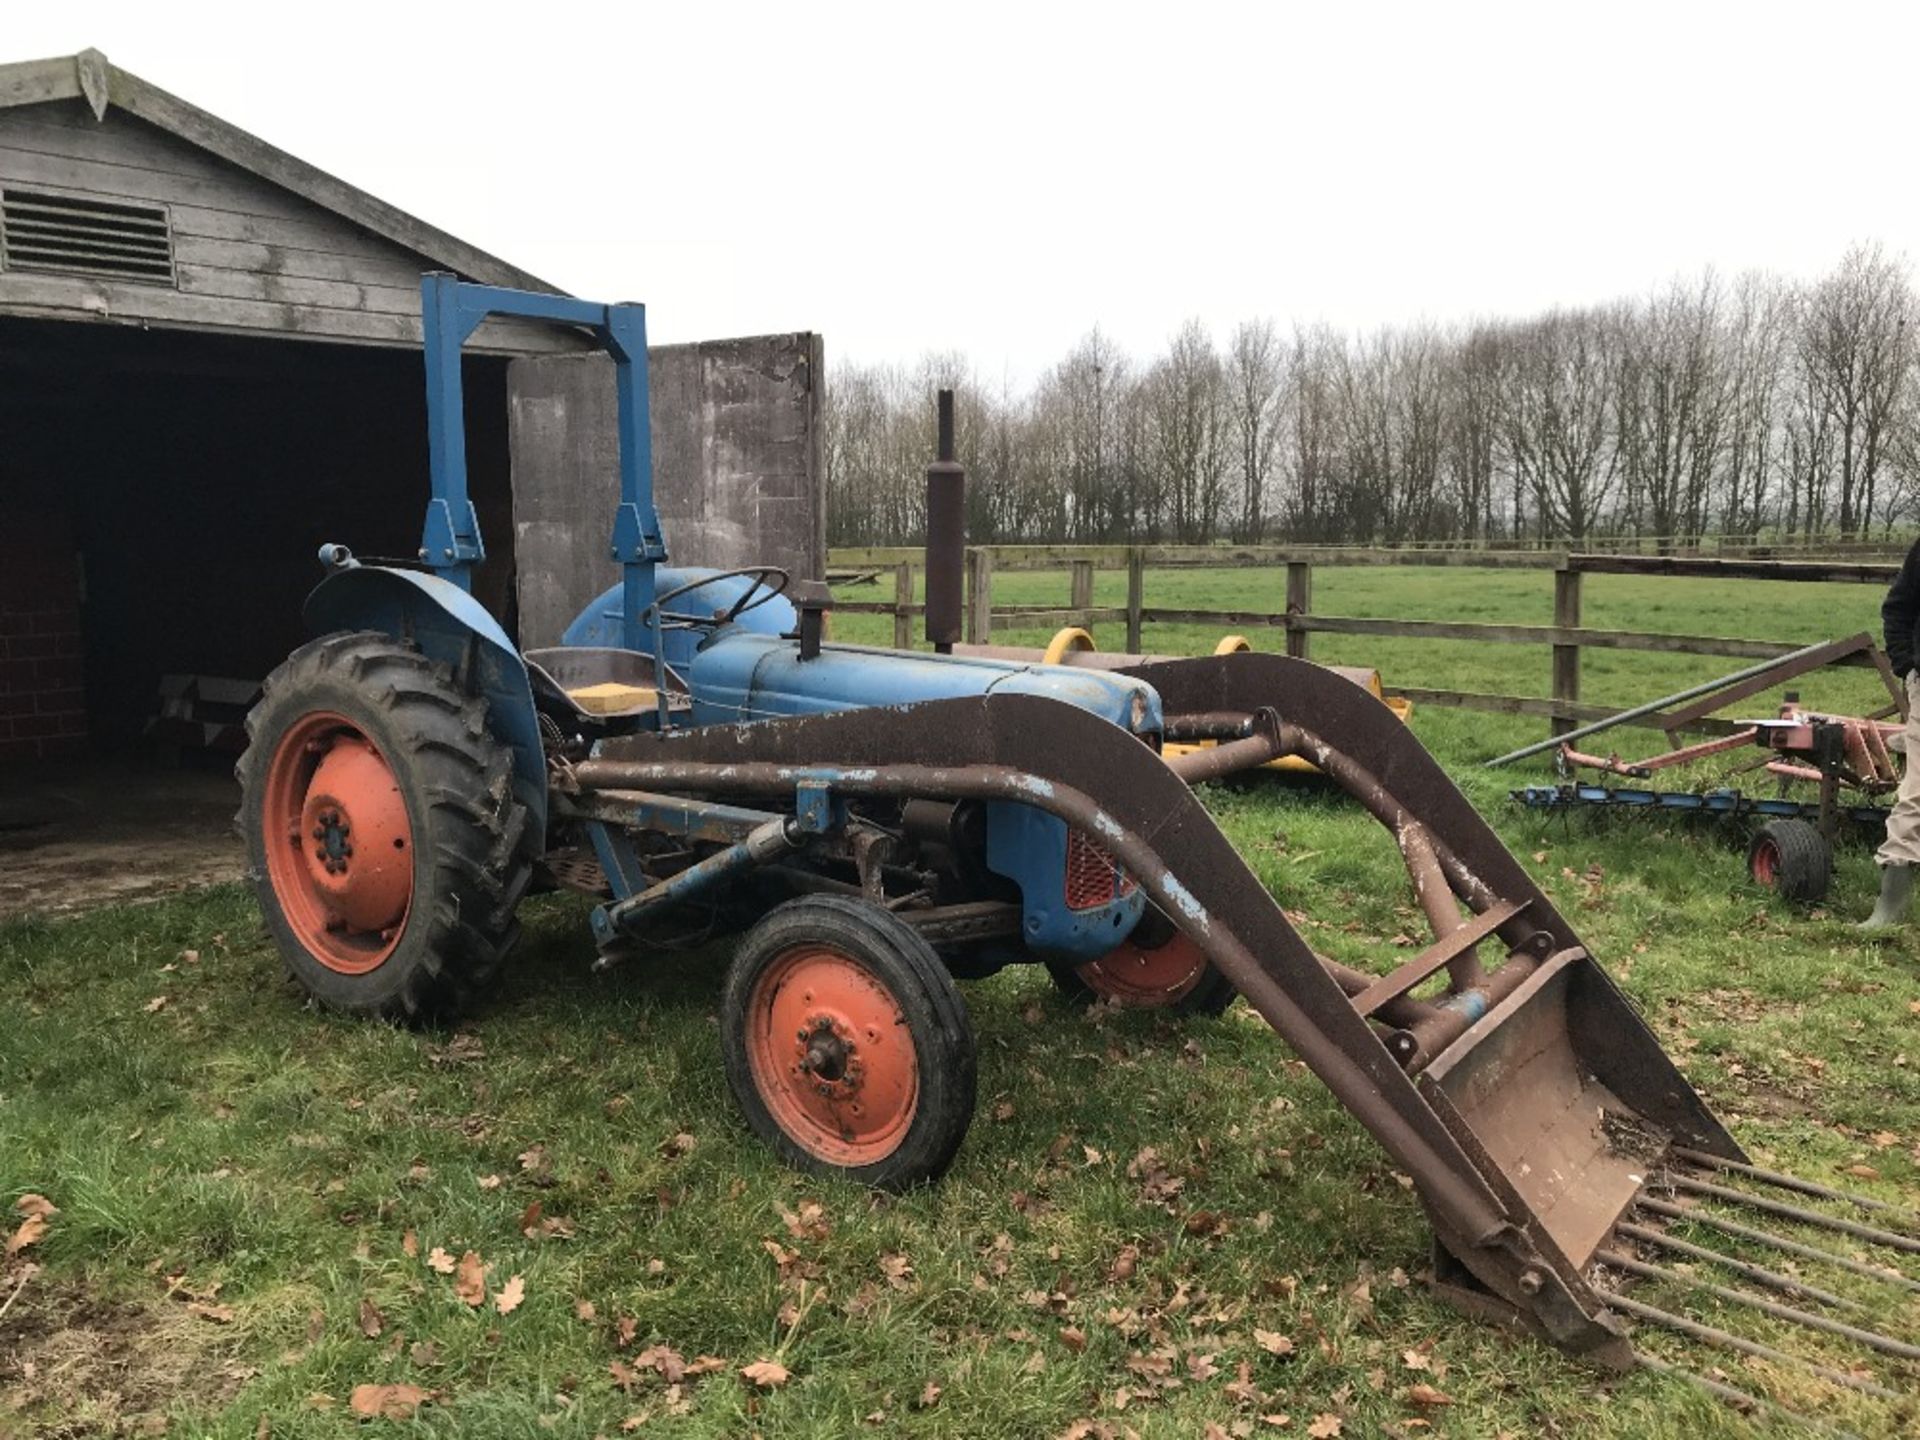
[74,1365]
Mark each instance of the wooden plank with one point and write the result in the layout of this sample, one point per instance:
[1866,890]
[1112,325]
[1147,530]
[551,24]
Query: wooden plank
[1566,656]
[1029,618]
[1699,567]
[233,192]
[1545,706]
[903,606]
[1299,605]
[1114,557]
[318,232]
[299,290]
[32,82]
[1429,961]
[394,267]
[1136,597]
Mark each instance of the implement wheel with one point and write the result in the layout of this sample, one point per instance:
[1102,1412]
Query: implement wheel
[1155,968]
[847,1045]
[1792,859]
[383,838]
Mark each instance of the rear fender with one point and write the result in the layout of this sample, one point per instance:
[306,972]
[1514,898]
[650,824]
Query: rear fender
[449,625]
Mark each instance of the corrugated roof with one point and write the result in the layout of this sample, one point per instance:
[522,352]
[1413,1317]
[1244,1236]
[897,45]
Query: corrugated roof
[91,77]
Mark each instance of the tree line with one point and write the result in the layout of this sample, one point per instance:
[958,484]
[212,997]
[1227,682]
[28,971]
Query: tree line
[1753,406]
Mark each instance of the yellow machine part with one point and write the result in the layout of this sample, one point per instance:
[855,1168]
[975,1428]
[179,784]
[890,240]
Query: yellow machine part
[612,698]
[1072,639]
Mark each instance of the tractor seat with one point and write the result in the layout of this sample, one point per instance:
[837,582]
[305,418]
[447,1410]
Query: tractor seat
[603,683]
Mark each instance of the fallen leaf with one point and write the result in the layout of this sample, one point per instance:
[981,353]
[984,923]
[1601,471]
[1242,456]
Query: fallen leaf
[1416,1360]
[664,1358]
[1324,1427]
[510,1296]
[1074,1338]
[410,1244]
[899,1271]
[470,1284]
[425,1354]
[158,1002]
[490,1182]
[534,1158]
[440,1261]
[1864,1172]
[30,1205]
[1003,1112]
[706,1365]
[218,1314]
[386,1402]
[677,1145]
[1424,1394]
[624,1375]
[929,1397]
[1273,1342]
[584,1310]
[767,1374]
[30,1232]
[1125,1263]
[530,1220]
[372,1322]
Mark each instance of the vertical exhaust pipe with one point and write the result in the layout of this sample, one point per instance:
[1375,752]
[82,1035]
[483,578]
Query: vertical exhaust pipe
[946,537]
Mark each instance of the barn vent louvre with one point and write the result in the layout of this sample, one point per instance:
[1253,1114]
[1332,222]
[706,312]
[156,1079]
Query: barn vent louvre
[80,235]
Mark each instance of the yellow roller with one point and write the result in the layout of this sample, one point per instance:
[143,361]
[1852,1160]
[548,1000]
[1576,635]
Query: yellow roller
[1073,640]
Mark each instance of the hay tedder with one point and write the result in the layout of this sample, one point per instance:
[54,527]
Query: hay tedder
[878,823]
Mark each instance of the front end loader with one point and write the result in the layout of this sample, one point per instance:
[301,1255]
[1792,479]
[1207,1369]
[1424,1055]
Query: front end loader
[876,825]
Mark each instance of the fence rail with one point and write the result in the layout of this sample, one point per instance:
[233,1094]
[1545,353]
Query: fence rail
[1566,637]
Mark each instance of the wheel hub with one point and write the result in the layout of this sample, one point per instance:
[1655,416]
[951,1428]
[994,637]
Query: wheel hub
[832,1058]
[1146,977]
[344,873]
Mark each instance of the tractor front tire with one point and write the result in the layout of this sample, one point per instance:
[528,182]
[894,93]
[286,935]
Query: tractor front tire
[1792,859]
[1155,968]
[383,836]
[847,1044]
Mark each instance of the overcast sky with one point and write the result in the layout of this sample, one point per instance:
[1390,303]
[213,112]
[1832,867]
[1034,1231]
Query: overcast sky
[998,179]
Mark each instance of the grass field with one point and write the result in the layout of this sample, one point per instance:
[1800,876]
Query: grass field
[251,1194]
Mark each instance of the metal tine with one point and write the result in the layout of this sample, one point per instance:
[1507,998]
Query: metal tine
[1739,1342]
[1873,1235]
[1872,1339]
[1773,1279]
[1742,1400]
[1794,1182]
[1777,1242]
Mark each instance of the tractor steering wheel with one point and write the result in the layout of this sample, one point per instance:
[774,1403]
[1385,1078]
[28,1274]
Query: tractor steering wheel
[769,582]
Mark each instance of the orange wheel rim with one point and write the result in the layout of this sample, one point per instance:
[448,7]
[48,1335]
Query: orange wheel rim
[832,1056]
[339,843]
[1766,862]
[1143,977]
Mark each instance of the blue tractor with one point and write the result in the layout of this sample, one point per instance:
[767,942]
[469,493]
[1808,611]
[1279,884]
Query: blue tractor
[876,824]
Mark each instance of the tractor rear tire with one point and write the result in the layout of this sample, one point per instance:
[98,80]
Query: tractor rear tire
[847,1044]
[383,836]
[1792,859]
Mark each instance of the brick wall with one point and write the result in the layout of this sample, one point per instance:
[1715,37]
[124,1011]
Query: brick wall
[43,707]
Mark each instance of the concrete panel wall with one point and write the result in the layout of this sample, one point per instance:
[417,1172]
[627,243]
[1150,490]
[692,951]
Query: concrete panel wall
[736,463]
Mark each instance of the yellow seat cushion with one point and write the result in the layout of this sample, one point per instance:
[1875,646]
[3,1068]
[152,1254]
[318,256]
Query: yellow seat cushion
[612,698]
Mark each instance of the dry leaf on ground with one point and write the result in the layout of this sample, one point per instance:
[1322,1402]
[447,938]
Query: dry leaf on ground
[440,1261]
[510,1296]
[372,1322]
[1427,1395]
[386,1402]
[470,1282]
[218,1314]
[31,1230]
[1324,1427]
[1273,1342]
[767,1374]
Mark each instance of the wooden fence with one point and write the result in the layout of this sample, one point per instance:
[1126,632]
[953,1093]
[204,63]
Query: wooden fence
[1566,635]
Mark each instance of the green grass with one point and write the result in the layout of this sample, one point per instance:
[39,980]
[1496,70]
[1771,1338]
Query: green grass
[233,1148]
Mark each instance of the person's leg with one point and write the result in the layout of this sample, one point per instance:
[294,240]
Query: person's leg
[1900,852]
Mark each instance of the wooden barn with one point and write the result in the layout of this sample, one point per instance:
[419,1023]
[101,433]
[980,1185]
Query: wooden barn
[209,363]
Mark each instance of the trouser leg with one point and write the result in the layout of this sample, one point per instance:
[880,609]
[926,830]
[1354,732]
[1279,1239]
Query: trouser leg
[1902,845]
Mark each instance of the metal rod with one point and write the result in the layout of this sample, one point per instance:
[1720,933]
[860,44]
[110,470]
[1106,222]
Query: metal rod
[1692,692]
[1872,1339]
[1712,1336]
[1742,1400]
[1869,1233]
[1791,1182]
[1773,1279]
[1777,1242]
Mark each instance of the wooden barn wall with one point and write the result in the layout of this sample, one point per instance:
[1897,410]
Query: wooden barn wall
[249,256]
[736,461]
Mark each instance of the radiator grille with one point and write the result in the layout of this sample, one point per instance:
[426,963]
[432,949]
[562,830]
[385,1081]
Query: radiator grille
[54,234]
[1092,877]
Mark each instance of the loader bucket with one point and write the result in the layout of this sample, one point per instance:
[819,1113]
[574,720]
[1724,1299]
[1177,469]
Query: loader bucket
[1538,1116]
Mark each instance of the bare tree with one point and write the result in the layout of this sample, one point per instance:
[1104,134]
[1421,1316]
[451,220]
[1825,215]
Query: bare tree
[1253,384]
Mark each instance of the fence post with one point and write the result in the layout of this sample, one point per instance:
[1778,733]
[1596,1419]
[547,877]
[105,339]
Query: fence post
[1299,602]
[1082,589]
[979,596]
[1136,596]
[1566,658]
[903,605]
